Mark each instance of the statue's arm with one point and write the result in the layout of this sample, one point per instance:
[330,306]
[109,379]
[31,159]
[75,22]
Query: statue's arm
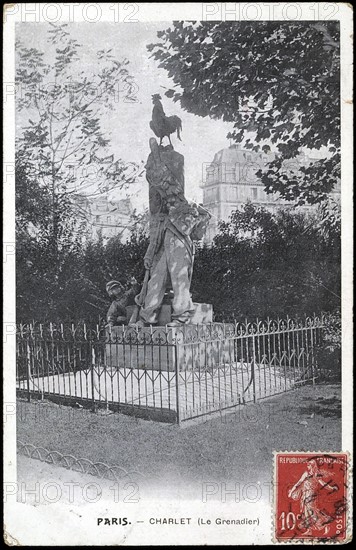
[129,294]
[200,227]
[116,314]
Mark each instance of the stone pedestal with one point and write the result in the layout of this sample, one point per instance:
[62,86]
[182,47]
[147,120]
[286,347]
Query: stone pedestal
[162,348]
[148,348]
[203,314]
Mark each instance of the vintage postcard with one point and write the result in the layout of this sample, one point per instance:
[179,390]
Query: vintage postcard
[178,273]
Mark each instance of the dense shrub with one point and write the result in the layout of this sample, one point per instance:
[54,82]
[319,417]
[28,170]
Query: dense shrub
[263,264]
[259,265]
[328,352]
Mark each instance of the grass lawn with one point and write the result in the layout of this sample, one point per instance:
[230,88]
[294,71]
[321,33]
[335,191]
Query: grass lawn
[237,447]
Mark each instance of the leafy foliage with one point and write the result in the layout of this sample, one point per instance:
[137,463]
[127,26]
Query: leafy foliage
[263,264]
[328,352]
[46,264]
[260,265]
[278,80]
[64,104]
[73,287]
[59,145]
[65,282]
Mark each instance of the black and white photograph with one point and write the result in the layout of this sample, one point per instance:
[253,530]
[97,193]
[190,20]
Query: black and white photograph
[177,263]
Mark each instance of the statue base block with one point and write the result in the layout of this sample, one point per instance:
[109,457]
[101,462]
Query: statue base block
[203,314]
[161,348]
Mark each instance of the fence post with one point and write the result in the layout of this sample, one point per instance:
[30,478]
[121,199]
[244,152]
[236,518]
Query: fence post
[28,371]
[177,379]
[92,356]
[253,371]
[312,341]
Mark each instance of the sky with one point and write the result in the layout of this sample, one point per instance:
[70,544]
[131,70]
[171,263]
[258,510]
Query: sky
[128,125]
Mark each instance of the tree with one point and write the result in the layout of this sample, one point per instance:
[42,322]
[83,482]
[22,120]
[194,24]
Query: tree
[62,144]
[63,140]
[46,265]
[269,264]
[65,283]
[105,262]
[279,80]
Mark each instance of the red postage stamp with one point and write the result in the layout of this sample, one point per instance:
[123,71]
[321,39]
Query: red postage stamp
[310,496]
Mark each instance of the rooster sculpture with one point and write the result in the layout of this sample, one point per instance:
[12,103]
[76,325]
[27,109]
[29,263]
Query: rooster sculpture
[161,124]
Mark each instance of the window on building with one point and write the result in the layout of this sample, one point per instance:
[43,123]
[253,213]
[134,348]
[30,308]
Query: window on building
[214,195]
[230,173]
[254,192]
[233,195]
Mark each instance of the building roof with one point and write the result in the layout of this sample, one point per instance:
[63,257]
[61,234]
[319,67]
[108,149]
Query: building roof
[230,155]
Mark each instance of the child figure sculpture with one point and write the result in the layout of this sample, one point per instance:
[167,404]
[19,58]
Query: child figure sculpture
[121,298]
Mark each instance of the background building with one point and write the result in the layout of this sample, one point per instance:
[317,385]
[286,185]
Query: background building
[230,181]
[105,216]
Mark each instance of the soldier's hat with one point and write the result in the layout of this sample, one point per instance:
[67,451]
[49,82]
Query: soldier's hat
[111,285]
[156,96]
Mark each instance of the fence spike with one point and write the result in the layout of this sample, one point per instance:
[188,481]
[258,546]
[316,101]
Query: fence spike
[270,359]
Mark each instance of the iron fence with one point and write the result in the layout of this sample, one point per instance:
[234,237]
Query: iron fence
[168,374]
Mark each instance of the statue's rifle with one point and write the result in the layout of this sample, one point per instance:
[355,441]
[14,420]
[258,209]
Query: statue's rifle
[140,298]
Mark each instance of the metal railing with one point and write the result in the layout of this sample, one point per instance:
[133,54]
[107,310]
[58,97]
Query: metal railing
[77,464]
[168,374]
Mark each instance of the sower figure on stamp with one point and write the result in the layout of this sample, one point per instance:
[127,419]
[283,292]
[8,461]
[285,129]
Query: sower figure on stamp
[312,487]
[174,225]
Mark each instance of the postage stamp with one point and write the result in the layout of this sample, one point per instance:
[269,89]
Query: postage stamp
[311,495]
